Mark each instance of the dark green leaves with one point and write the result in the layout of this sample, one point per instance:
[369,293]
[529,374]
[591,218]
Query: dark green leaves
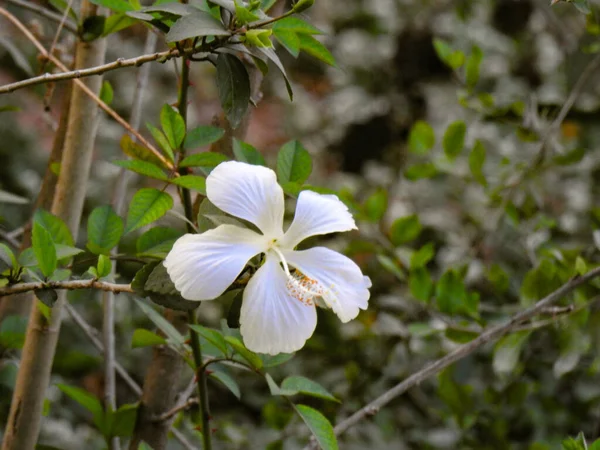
[147,205]
[201,136]
[143,168]
[56,227]
[454,139]
[44,249]
[421,138]
[104,230]
[173,126]
[198,23]
[144,338]
[193,182]
[376,205]
[453,58]
[234,87]
[157,241]
[472,66]
[206,160]
[137,151]
[476,162]
[313,47]
[294,163]
[287,31]
[452,296]
[319,426]
[405,229]
[247,153]
[300,385]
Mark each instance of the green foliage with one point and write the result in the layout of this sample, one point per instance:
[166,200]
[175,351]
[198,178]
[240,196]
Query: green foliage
[453,58]
[234,87]
[193,182]
[196,24]
[314,48]
[213,336]
[145,338]
[206,160]
[476,162]
[420,284]
[376,205]
[106,93]
[104,230]
[44,249]
[295,384]
[472,66]
[405,229]
[252,358]
[139,152]
[294,163]
[143,168]
[421,138]
[507,352]
[56,227]
[157,242]
[162,141]
[245,152]
[454,139]
[319,426]
[12,332]
[147,205]
[201,136]
[173,126]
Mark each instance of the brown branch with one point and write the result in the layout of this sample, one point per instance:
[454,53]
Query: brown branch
[84,87]
[491,334]
[67,285]
[51,15]
[172,412]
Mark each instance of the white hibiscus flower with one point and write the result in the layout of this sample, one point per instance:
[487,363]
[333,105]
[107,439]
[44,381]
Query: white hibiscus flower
[278,310]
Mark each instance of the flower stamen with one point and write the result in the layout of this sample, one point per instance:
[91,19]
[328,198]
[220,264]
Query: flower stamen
[300,286]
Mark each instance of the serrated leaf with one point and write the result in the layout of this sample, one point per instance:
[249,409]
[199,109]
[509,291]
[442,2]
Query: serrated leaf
[405,229]
[208,160]
[421,138]
[104,230]
[196,24]
[56,227]
[453,58]
[319,426]
[306,386]
[147,205]
[294,163]
[117,22]
[245,152]
[212,336]
[201,136]
[234,87]
[139,152]
[454,139]
[44,249]
[241,349]
[146,338]
[157,241]
[194,182]
[276,360]
[142,167]
[313,47]
[172,125]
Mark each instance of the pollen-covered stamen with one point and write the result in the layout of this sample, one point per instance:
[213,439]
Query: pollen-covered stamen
[300,286]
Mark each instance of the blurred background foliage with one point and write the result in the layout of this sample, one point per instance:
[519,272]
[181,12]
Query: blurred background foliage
[436,128]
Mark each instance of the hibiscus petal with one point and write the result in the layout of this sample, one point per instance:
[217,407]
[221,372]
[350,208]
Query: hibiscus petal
[344,288]
[272,321]
[317,214]
[249,192]
[203,265]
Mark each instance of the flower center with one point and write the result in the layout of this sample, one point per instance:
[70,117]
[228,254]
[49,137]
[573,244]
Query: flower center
[300,286]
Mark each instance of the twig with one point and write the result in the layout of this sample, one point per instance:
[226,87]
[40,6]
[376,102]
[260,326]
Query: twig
[93,334]
[180,407]
[61,24]
[84,88]
[5,236]
[44,13]
[67,285]
[464,350]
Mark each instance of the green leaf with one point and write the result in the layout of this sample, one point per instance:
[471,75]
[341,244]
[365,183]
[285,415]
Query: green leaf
[162,140]
[272,56]
[207,160]
[104,266]
[147,205]
[142,167]
[302,5]
[577,443]
[123,420]
[303,385]
[173,126]
[201,136]
[454,139]
[453,58]
[114,5]
[87,400]
[212,336]
[476,162]
[245,152]
[499,278]
[450,293]
[289,40]
[194,182]
[117,22]
[376,205]
[157,241]
[145,338]
[161,290]
[420,284]
[233,84]
[106,93]
[56,227]
[294,163]
[422,256]
[507,352]
[313,47]
[458,398]
[174,337]
[243,15]
[418,171]
[319,426]
[137,151]
[196,24]
[104,229]
[48,297]
[276,360]
[472,66]
[297,25]
[571,157]
[7,258]
[405,229]
[241,349]
[421,138]
[12,332]
[227,381]
[44,249]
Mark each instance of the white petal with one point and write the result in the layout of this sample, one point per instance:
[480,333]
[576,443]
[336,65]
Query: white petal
[249,192]
[345,289]
[272,321]
[203,265]
[317,214]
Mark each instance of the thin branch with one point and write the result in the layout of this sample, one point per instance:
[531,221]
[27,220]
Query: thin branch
[67,285]
[84,87]
[5,236]
[176,409]
[51,15]
[491,334]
